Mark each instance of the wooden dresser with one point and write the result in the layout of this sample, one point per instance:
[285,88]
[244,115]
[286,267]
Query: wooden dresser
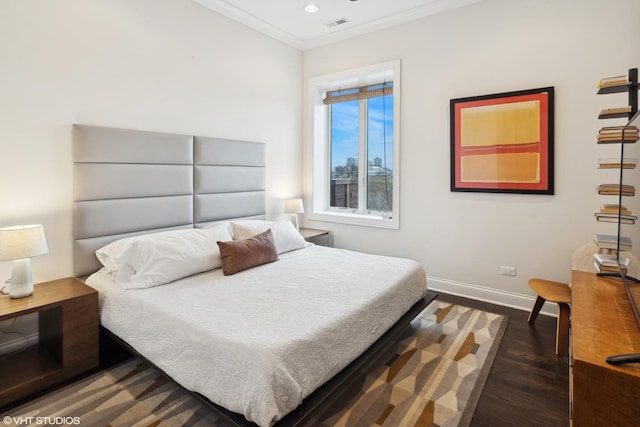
[602,324]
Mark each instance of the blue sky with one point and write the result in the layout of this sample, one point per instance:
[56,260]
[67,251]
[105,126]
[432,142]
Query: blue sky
[344,131]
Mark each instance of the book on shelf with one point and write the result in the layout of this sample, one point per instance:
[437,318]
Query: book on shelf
[610,241]
[613,217]
[606,263]
[613,81]
[628,139]
[607,269]
[611,260]
[613,208]
[616,189]
[614,163]
[618,129]
[610,269]
[615,111]
[614,134]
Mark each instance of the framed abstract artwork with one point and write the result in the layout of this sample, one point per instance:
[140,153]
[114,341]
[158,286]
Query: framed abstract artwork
[503,143]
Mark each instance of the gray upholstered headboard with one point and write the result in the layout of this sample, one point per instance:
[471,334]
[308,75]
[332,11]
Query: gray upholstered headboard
[129,182]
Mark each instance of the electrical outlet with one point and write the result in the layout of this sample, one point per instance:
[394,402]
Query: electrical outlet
[507,271]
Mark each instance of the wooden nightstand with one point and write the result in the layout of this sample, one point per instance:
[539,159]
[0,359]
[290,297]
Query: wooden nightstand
[68,338]
[319,237]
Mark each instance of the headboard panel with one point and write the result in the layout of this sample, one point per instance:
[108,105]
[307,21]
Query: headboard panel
[97,144]
[221,206]
[216,151]
[95,218]
[99,181]
[130,182]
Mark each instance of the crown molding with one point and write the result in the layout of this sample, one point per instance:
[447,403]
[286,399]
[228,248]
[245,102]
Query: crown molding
[238,15]
[437,6]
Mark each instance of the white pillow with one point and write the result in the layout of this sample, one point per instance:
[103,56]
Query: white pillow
[109,255]
[245,229]
[285,235]
[159,258]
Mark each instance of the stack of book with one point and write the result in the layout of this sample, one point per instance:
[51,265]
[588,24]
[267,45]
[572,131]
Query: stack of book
[614,209]
[611,213]
[613,81]
[617,134]
[616,189]
[614,163]
[611,263]
[610,241]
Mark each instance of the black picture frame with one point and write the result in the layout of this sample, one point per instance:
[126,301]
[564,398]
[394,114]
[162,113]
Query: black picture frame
[503,142]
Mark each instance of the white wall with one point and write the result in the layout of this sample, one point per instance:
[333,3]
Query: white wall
[490,47]
[162,65]
[174,66]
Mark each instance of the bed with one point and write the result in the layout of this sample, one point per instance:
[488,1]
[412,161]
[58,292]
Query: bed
[257,341]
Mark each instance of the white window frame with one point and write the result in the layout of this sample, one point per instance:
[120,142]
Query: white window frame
[320,197]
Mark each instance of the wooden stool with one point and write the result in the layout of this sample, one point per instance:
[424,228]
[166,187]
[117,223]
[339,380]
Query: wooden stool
[559,293]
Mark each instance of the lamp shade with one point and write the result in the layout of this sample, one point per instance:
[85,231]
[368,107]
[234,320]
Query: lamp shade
[22,241]
[293,206]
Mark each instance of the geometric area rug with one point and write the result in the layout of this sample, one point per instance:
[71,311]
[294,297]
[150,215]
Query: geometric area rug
[432,376]
[132,393]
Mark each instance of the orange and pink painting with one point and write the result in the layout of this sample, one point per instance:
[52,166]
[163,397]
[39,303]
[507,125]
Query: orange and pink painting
[503,142]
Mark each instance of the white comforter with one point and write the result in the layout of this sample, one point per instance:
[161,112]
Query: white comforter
[260,341]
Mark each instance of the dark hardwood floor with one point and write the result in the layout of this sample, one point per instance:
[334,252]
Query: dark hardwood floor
[528,384]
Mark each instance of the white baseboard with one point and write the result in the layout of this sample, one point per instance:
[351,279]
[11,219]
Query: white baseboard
[494,296]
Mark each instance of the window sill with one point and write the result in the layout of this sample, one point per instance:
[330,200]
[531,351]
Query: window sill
[355,219]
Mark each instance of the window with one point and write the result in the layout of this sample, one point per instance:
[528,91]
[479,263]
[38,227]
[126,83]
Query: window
[356,146]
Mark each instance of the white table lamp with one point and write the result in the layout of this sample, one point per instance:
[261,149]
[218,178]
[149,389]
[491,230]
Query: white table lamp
[19,244]
[295,207]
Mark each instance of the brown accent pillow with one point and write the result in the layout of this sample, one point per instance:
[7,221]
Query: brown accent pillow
[238,255]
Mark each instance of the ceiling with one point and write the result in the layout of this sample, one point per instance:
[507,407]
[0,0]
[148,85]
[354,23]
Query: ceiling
[287,21]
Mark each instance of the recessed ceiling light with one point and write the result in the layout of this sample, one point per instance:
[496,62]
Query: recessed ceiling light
[311,8]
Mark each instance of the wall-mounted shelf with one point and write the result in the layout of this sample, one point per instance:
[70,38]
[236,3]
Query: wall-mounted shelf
[623,134]
[613,89]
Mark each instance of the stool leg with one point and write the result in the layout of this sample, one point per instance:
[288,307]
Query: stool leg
[562,328]
[536,309]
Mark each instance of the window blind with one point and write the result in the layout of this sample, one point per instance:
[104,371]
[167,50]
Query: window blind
[358,93]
